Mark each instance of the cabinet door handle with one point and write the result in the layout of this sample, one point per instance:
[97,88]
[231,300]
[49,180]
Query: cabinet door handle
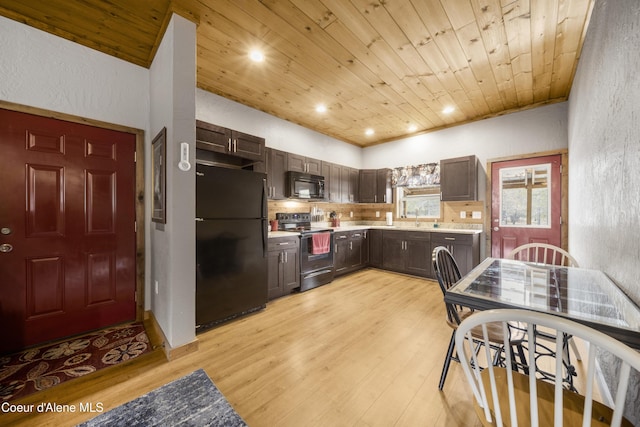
[350,246]
[283,243]
[375,199]
[384,198]
[335,248]
[230,145]
[450,238]
[235,145]
[286,257]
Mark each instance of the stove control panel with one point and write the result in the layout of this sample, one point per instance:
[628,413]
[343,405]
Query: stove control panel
[293,218]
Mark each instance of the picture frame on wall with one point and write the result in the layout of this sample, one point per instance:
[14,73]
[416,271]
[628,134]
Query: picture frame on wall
[159,177]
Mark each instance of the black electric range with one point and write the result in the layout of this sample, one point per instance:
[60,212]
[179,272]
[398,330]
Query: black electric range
[316,269]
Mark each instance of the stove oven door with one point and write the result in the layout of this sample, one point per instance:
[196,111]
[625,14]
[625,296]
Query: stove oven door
[310,262]
[315,270]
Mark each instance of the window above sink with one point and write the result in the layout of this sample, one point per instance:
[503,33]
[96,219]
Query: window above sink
[422,201]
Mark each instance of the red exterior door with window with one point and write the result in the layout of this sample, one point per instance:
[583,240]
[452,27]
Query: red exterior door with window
[526,197]
[67,237]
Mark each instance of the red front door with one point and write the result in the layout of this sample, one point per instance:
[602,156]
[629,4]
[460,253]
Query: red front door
[526,196]
[67,238]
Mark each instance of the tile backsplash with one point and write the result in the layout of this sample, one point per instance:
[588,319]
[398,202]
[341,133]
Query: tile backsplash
[450,212]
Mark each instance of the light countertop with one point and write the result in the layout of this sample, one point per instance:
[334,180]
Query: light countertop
[426,228]
[400,227]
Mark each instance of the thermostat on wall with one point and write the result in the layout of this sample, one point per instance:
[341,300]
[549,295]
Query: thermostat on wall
[184,164]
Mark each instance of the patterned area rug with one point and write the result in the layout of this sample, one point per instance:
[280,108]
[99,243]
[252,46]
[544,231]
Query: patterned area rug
[40,368]
[192,400]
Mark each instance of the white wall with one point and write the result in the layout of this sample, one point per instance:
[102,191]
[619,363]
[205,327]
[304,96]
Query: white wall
[279,134]
[41,70]
[535,130]
[538,129]
[604,156]
[172,251]
[529,131]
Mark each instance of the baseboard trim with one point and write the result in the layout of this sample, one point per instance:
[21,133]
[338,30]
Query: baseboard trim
[171,353]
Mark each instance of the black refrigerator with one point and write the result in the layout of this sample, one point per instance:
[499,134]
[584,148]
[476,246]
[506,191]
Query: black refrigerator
[231,244]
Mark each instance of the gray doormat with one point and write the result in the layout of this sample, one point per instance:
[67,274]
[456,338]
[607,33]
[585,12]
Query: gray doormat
[192,400]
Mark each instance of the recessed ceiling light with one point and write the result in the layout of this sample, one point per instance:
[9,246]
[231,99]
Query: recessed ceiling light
[369,132]
[412,128]
[321,108]
[448,110]
[256,56]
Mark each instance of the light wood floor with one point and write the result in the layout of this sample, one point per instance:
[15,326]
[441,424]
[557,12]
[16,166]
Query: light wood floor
[366,350]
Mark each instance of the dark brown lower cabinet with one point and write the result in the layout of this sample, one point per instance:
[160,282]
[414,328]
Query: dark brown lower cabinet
[403,251]
[283,266]
[465,248]
[351,251]
[374,236]
[407,252]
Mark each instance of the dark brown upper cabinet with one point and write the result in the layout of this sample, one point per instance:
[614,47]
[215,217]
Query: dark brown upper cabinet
[332,179]
[298,163]
[459,179]
[276,170]
[375,186]
[350,185]
[341,183]
[228,141]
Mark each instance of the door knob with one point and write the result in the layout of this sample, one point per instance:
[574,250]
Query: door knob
[5,230]
[496,228]
[5,247]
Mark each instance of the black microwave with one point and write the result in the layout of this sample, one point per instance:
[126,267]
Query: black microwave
[304,186]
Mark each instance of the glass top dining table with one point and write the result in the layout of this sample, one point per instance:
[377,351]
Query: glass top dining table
[583,295]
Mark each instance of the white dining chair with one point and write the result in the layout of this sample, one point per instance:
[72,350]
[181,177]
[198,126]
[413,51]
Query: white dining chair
[505,397]
[543,253]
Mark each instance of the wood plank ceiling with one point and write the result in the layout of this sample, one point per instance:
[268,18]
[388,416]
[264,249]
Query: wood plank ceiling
[384,65]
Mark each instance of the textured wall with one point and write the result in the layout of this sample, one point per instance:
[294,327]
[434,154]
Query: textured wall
[529,131]
[41,70]
[604,151]
[172,252]
[279,134]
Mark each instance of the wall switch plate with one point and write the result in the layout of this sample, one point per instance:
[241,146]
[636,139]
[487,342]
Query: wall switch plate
[350,214]
[377,214]
[476,215]
[463,214]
